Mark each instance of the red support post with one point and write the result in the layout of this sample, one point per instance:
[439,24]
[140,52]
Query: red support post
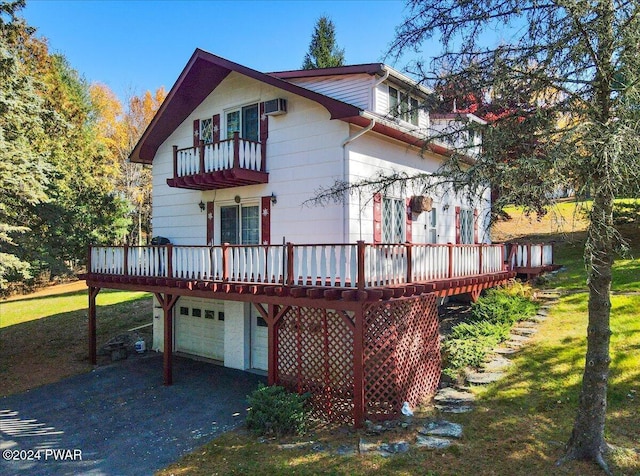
[167,301]
[93,292]
[361,256]
[289,264]
[528,255]
[480,253]
[358,368]
[409,255]
[226,262]
[236,150]
[126,260]
[201,155]
[272,349]
[450,271]
[175,162]
[169,261]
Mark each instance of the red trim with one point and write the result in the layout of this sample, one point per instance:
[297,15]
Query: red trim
[202,74]
[377,218]
[210,223]
[408,231]
[458,226]
[216,127]
[266,220]
[196,132]
[264,135]
[368,68]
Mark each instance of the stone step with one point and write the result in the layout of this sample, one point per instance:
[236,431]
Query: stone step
[483,378]
[432,442]
[442,428]
[497,364]
[450,396]
[454,408]
[518,338]
[505,350]
[524,331]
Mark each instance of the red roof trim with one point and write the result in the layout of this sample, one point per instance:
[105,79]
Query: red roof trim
[202,74]
[368,68]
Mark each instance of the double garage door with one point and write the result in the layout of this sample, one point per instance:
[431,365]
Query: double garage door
[200,328]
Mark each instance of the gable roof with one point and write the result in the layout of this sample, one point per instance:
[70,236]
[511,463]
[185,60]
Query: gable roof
[202,74]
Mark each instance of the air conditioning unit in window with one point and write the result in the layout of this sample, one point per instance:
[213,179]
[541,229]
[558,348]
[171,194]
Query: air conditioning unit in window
[275,107]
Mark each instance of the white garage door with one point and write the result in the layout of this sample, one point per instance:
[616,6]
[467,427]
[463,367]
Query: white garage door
[200,328]
[259,341]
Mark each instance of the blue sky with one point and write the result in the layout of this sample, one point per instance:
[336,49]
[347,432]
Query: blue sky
[133,46]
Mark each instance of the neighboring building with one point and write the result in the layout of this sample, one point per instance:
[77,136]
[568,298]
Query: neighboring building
[236,155]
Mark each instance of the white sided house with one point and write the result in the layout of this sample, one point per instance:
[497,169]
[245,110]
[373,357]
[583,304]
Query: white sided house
[237,155]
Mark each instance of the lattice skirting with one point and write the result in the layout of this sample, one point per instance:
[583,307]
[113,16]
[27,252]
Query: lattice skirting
[315,353]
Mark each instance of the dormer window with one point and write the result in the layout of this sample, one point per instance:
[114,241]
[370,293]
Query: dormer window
[403,106]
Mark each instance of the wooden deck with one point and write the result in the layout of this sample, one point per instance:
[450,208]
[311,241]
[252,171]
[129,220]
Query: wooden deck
[358,271]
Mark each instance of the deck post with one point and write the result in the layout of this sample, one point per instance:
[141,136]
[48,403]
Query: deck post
[175,162]
[226,261]
[236,150]
[125,259]
[409,247]
[289,278]
[450,271]
[361,254]
[169,266]
[167,301]
[480,253]
[201,155]
[272,345]
[358,368]
[93,292]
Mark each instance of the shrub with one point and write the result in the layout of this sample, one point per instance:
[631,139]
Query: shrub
[491,320]
[275,411]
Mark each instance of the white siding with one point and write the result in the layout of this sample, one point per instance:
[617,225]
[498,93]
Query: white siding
[304,152]
[353,89]
[372,153]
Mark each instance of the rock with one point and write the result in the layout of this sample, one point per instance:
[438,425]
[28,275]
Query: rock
[295,446]
[455,408]
[345,450]
[518,338]
[395,448]
[483,378]
[528,324]
[365,446]
[450,396]
[442,428]
[524,331]
[432,442]
[318,447]
[505,350]
[497,364]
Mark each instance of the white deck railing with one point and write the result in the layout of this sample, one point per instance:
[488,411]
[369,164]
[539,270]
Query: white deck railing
[216,156]
[530,255]
[358,265]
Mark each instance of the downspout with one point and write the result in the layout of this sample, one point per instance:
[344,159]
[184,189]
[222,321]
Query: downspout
[347,141]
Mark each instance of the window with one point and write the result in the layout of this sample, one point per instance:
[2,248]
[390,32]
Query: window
[393,220]
[432,225]
[466,227]
[208,314]
[195,312]
[261,322]
[220,316]
[240,225]
[403,106]
[206,130]
[245,121]
[184,311]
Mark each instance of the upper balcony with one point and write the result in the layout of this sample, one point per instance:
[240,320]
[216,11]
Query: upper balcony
[223,164]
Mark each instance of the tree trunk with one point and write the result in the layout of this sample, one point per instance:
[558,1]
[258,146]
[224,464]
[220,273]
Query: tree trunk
[587,438]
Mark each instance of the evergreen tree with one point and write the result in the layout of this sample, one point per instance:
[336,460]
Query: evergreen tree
[323,51]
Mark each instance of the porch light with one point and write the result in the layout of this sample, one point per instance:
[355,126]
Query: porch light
[274,199]
[201,205]
[237,199]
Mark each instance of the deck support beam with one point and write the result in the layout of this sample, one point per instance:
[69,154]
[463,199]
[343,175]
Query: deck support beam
[93,354]
[168,301]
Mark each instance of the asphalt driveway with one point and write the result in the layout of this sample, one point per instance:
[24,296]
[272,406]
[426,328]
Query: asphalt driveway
[120,419]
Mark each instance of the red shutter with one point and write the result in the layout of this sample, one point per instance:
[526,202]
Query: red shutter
[216,127]
[475,226]
[196,132]
[408,231]
[377,218]
[264,134]
[265,212]
[210,224]
[458,236]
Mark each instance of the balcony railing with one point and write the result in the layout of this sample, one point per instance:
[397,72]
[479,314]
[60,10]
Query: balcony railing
[355,266]
[222,164]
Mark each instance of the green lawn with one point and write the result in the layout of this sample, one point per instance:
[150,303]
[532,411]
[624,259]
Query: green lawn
[28,309]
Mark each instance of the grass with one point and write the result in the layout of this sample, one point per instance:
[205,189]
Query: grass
[520,424]
[44,338]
